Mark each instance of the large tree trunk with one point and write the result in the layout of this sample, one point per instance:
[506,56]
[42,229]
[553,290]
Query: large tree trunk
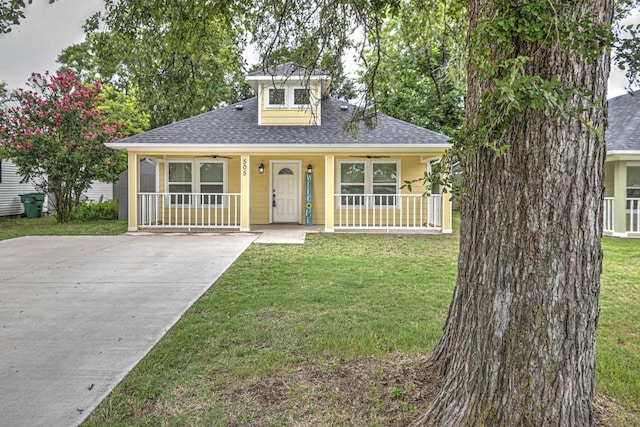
[519,343]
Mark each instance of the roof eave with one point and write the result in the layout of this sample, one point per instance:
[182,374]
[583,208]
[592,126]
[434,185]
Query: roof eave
[615,155]
[278,148]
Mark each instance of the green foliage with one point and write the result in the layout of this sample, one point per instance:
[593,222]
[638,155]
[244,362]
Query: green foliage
[93,211]
[56,137]
[124,108]
[180,59]
[420,77]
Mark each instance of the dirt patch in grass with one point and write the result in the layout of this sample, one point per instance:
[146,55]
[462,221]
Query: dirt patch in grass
[389,392]
[608,412]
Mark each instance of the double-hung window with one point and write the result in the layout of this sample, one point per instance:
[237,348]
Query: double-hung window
[185,179]
[369,183]
[211,182]
[180,182]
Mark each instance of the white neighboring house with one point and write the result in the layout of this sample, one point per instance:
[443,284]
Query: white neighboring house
[11,188]
[99,191]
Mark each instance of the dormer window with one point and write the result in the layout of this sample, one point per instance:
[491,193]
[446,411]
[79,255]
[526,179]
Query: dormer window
[289,97]
[301,96]
[276,97]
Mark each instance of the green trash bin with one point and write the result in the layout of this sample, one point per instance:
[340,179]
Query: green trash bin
[32,204]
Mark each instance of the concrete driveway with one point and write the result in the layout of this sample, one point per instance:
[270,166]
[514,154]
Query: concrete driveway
[78,313]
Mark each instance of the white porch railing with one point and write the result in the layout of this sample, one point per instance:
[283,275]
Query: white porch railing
[189,210]
[393,211]
[608,215]
[632,217]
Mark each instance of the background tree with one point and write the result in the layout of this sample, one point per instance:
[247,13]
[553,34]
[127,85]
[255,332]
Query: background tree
[119,107]
[421,73]
[55,135]
[180,59]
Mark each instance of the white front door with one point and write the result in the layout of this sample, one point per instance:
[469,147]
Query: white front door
[285,191]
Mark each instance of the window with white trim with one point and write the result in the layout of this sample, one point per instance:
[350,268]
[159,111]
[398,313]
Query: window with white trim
[180,181]
[368,183]
[207,177]
[276,97]
[301,96]
[288,97]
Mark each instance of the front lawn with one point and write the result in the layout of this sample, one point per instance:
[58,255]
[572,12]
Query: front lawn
[335,332]
[11,227]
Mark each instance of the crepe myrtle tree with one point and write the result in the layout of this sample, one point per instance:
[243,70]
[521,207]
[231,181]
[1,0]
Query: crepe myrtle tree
[55,135]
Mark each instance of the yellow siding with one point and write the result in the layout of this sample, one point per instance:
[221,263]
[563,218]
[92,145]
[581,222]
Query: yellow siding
[411,168]
[288,116]
[261,199]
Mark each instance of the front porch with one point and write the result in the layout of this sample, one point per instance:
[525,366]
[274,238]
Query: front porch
[370,212]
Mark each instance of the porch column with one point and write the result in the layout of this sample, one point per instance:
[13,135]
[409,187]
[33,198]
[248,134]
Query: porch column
[329,189]
[134,187]
[620,199]
[245,189]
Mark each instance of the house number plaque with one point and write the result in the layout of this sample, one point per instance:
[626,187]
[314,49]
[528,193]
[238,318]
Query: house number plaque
[245,167]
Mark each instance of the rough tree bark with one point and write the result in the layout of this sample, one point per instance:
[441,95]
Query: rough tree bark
[519,344]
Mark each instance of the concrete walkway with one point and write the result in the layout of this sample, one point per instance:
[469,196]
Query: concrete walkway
[283,234]
[78,313]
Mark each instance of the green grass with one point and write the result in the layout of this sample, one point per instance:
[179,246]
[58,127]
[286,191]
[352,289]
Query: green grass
[11,227]
[618,336]
[334,332]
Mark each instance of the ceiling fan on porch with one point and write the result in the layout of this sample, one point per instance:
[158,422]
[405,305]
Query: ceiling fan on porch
[370,157]
[215,156]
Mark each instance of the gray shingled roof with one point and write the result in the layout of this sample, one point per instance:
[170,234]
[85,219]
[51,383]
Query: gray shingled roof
[623,132]
[230,125]
[287,70]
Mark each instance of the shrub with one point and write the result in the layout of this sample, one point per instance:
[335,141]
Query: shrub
[92,211]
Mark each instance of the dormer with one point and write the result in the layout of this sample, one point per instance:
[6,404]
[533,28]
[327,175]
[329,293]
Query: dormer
[289,95]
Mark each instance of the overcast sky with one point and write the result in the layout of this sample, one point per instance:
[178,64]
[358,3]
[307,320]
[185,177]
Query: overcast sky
[34,45]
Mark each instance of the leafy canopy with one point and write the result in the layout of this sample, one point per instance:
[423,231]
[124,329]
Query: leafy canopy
[180,58]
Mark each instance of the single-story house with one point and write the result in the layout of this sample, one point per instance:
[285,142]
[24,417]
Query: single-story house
[283,156]
[622,173]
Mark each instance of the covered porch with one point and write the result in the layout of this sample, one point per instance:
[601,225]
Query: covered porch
[347,191]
